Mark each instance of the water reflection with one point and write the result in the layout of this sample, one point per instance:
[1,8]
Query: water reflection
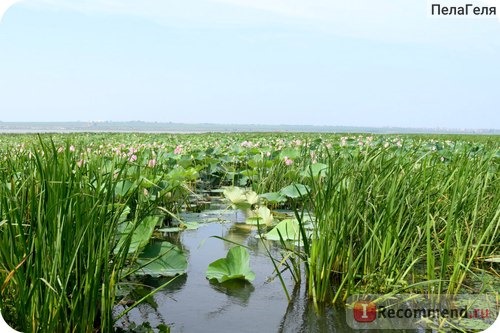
[301,316]
[176,283]
[244,234]
[190,303]
[238,290]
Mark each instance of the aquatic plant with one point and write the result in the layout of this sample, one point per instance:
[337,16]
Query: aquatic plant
[375,213]
[235,266]
[62,254]
[388,219]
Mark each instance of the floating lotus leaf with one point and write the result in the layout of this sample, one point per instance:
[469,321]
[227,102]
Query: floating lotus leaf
[169,260]
[236,265]
[288,229]
[273,197]
[294,190]
[141,233]
[182,226]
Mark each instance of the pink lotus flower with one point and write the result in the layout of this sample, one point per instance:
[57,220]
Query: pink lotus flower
[247,144]
[71,148]
[178,150]
[132,158]
[313,157]
[152,163]
[288,161]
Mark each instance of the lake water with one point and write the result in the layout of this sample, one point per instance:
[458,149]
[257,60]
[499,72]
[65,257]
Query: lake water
[192,304]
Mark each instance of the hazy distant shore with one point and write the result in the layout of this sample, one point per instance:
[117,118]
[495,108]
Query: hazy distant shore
[157,127]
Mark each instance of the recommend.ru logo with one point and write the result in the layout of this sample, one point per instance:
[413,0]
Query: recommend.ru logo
[413,311]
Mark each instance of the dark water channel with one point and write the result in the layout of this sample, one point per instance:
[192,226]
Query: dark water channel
[192,304]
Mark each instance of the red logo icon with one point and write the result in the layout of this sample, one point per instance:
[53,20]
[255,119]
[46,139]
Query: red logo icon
[365,311]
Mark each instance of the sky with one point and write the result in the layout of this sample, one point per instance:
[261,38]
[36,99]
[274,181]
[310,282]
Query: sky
[382,63]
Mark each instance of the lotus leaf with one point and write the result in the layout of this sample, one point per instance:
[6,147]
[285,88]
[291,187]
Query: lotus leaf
[273,197]
[315,170]
[141,233]
[294,190]
[288,229]
[161,259]
[234,266]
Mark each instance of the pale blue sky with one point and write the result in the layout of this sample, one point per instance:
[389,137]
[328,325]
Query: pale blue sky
[320,62]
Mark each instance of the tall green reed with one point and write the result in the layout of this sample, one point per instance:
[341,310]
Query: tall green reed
[393,219]
[58,270]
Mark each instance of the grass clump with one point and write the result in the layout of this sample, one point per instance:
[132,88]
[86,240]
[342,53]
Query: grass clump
[59,220]
[395,219]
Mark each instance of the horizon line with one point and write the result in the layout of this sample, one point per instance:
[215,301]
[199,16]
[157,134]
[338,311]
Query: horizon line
[156,123]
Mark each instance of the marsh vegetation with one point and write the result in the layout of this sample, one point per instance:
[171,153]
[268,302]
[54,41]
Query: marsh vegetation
[85,217]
